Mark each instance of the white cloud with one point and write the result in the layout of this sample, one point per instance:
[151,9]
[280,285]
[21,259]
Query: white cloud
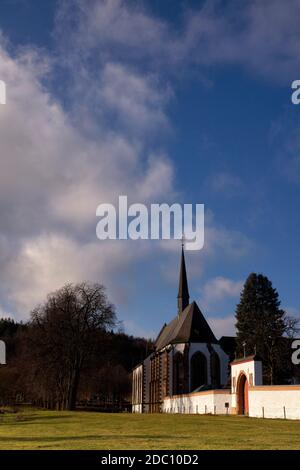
[239,33]
[136,101]
[52,178]
[134,329]
[226,183]
[114,28]
[44,263]
[217,291]
[222,326]
[60,162]
[232,244]
[221,287]
[242,33]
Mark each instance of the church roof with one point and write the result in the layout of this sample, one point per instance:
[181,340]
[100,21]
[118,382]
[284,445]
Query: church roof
[189,326]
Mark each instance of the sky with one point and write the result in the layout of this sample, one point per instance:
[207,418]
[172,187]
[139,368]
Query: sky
[173,101]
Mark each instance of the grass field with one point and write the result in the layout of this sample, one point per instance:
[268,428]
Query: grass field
[34,429]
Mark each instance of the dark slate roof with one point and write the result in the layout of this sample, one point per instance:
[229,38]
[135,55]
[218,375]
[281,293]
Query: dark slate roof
[189,326]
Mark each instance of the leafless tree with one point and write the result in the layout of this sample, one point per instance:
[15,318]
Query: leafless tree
[64,332]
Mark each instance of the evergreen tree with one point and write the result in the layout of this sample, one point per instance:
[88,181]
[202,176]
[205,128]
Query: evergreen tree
[261,325]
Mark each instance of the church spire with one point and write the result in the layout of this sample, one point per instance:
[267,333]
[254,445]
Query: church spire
[183,296]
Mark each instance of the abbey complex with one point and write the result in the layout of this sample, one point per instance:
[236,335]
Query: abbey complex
[191,371]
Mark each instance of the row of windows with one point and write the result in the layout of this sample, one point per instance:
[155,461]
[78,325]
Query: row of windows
[198,372]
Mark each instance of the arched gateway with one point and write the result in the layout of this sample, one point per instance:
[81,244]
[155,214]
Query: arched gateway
[242,395]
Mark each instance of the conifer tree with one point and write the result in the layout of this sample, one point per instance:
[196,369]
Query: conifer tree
[261,325]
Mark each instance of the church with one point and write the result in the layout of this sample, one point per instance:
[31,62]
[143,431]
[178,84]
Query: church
[191,371]
[187,358]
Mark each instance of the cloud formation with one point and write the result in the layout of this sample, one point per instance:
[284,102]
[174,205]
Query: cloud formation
[218,289]
[53,178]
[260,36]
[222,326]
[103,132]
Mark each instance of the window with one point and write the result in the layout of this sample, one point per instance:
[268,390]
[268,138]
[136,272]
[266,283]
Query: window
[215,370]
[178,367]
[198,370]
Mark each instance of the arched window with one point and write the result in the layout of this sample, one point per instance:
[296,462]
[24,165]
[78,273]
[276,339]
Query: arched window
[198,370]
[215,370]
[178,368]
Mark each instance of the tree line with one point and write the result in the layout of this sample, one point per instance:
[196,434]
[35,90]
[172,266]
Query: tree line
[70,352]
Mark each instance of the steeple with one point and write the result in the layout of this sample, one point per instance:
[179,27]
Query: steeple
[183,296]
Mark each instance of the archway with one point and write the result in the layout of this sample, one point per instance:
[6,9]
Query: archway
[198,370]
[242,395]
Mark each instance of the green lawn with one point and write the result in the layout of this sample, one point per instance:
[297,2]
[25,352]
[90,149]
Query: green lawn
[33,429]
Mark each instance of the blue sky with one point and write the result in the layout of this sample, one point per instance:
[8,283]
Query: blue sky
[166,102]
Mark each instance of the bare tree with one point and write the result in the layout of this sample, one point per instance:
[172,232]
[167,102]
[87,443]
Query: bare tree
[292,327]
[64,334]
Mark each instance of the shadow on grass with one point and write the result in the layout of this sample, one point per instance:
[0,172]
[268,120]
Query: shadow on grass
[88,437]
[25,419]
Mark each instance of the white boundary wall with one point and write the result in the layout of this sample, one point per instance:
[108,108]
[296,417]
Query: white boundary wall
[212,401]
[265,401]
[278,401]
[282,402]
